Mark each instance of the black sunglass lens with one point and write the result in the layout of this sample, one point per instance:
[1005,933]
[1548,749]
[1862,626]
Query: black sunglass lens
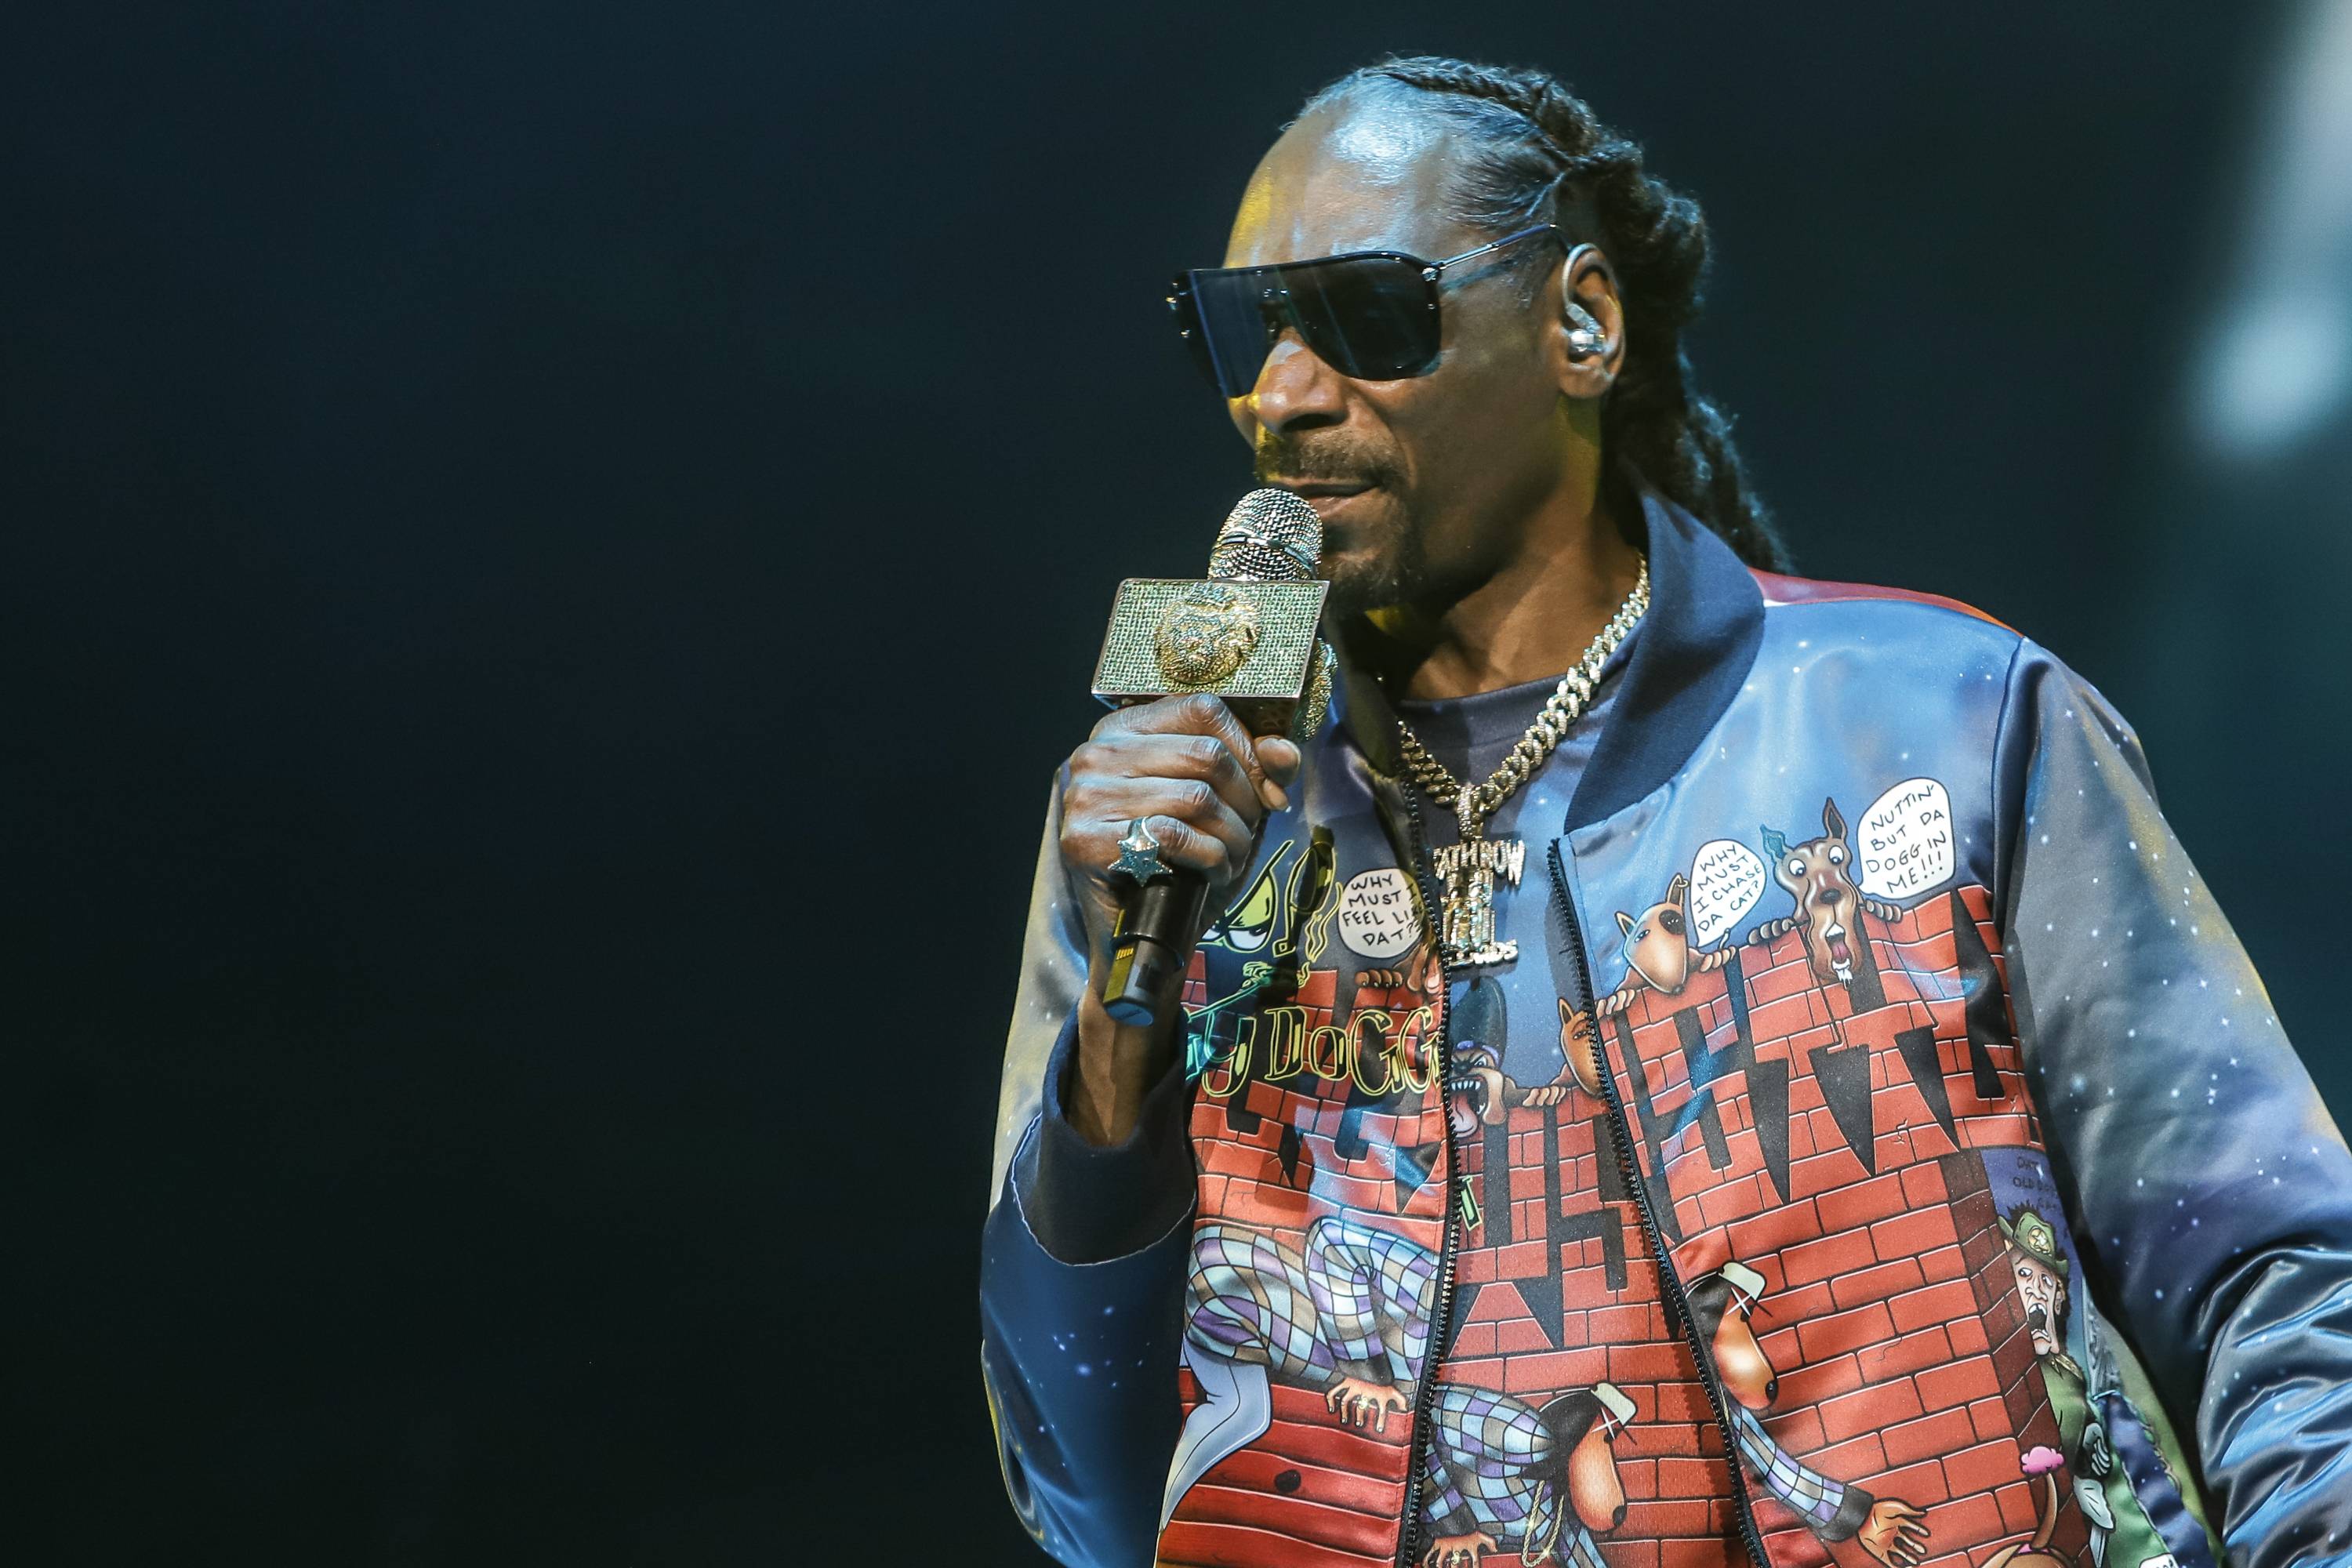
[1231,329]
[1367,317]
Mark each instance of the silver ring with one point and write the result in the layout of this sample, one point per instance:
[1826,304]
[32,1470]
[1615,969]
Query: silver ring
[1138,854]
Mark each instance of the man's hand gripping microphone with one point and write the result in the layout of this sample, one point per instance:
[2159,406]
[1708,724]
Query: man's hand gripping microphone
[1247,635]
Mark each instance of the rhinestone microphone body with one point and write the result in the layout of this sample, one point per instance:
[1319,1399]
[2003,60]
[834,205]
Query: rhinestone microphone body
[1247,633]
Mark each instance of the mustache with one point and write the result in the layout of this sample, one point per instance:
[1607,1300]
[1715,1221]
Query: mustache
[1328,461]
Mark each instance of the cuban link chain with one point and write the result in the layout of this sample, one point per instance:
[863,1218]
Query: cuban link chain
[1466,931]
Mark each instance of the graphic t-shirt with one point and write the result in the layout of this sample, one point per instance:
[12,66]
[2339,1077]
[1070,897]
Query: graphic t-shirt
[1513,1008]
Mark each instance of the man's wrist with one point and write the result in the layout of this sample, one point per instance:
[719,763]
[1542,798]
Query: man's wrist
[1087,1200]
[1115,1066]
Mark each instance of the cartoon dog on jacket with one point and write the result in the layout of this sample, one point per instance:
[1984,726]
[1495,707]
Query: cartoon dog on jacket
[1478,1091]
[1721,1305]
[1658,954]
[1818,874]
[1658,957]
[1348,1316]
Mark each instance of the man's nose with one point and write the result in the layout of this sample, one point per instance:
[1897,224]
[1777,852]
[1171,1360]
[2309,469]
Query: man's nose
[1295,390]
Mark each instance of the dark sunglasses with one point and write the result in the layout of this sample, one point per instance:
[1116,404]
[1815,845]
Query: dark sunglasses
[1369,314]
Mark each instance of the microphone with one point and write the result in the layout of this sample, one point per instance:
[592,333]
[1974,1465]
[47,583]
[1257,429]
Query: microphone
[1248,633]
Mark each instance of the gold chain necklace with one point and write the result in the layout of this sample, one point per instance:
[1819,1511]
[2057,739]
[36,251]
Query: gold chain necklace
[1466,934]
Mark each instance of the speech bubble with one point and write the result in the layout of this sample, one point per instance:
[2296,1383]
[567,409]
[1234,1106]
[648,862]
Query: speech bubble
[1903,844]
[1377,918]
[1727,878]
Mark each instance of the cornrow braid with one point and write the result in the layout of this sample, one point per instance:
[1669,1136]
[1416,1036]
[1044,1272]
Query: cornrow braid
[1541,154]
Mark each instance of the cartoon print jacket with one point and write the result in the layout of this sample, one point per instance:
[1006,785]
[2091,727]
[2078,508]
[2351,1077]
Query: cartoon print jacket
[1921,1136]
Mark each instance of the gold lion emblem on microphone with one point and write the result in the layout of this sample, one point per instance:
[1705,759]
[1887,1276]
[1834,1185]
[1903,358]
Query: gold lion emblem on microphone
[1204,635]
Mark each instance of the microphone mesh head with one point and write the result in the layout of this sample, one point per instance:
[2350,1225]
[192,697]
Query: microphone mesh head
[1271,537]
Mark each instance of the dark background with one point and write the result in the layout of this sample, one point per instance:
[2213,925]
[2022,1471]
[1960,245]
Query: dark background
[552,550]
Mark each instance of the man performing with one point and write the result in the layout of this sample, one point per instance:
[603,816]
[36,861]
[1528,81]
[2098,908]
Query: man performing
[1613,1169]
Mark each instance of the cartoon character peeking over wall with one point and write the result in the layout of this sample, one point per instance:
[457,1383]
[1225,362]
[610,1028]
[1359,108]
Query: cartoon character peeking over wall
[1658,952]
[1348,1317]
[1478,1091]
[1818,873]
[1721,1305]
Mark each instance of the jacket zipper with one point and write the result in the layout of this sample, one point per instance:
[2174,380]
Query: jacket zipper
[1441,1318]
[1670,1283]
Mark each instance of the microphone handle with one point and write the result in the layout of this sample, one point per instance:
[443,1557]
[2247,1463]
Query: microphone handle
[1147,957]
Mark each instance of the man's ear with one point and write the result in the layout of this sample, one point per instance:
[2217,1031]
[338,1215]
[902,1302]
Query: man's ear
[1588,329]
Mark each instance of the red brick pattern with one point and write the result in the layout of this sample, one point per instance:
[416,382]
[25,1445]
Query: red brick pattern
[1791,1016]
[1267,1134]
[1307,1492]
[1541,1309]
[1901,1360]
[1596,1323]
[1828,1144]
[1293,1069]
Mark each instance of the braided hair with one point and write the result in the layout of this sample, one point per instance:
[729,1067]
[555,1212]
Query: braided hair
[1539,154]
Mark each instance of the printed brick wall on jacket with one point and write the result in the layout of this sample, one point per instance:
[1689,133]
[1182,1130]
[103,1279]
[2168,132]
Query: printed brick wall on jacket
[1826,1136]
[1282,1125]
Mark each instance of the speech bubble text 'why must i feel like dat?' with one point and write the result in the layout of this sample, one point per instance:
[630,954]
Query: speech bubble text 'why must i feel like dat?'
[1377,918]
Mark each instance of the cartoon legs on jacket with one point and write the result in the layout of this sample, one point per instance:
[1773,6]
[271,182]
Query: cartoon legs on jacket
[1503,1475]
[1236,1407]
[1348,1317]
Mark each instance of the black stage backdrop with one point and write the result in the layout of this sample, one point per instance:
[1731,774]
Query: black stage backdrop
[553,550]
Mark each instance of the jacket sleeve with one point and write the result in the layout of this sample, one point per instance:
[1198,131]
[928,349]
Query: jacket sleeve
[2213,1192]
[1082,1269]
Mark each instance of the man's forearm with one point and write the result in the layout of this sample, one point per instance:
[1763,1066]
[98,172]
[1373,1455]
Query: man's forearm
[1116,1066]
[1090,1194]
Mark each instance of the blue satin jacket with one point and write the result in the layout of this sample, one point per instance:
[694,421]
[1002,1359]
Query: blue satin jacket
[1926,1178]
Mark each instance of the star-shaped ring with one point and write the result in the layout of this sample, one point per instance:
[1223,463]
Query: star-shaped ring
[1138,854]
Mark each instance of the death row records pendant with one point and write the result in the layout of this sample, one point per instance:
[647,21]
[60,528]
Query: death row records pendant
[1466,930]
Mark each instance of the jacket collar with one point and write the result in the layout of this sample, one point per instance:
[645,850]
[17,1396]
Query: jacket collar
[1694,648]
